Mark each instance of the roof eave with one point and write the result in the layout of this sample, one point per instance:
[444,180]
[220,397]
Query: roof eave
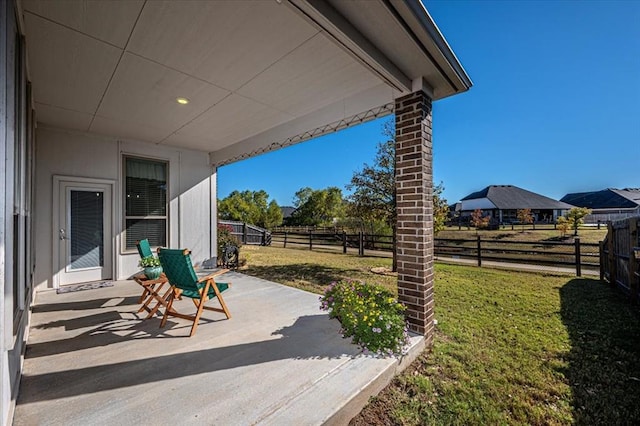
[421,14]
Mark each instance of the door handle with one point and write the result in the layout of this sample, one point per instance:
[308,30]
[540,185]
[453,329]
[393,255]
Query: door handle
[62,234]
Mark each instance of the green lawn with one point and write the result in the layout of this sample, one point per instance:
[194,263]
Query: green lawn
[543,233]
[510,347]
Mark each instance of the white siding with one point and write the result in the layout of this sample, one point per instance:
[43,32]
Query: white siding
[68,153]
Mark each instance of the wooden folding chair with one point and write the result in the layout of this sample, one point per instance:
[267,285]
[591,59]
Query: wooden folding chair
[150,287]
[184,282]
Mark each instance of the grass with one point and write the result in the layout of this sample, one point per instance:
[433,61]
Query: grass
[586,234]
[510,347]
[312,270]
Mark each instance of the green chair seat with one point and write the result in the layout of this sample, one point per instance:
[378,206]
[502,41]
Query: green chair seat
[195,294]
[178,269]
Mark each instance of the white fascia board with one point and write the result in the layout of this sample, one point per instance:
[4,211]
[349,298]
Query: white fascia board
[415,15]
[323,16]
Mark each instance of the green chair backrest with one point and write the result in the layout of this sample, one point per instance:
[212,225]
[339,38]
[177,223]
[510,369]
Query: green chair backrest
[144,249]
[178,268]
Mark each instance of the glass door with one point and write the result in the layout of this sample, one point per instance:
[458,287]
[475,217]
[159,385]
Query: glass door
[84,233]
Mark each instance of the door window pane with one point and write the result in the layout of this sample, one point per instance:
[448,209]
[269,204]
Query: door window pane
[86,229]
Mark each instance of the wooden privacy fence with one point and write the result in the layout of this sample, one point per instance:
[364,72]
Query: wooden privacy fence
[248,234]
[576,254]
[619,256]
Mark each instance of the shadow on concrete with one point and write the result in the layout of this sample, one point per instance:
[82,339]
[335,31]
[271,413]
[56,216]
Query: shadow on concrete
[603,365]
[295,343]
[109,328]
[84,305]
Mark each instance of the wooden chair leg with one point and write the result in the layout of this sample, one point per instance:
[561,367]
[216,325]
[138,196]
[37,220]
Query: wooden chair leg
[196,320]
[166,312]
[221,300]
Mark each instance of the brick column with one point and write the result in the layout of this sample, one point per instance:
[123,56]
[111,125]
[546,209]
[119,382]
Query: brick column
[414,209]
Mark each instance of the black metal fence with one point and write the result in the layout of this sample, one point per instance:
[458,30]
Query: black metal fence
[575,254]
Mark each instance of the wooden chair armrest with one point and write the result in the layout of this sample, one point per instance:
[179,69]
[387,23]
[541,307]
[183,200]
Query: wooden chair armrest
[213,274]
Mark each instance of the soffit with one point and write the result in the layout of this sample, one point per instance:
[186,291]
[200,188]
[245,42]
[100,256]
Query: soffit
[402,41]
[250,69]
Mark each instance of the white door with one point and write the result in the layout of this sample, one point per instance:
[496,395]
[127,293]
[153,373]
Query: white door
[84,232]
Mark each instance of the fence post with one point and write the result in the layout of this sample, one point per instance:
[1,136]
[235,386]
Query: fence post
[633,239]
[361,244]
[310,240]
[344,242]
[479,252]
[244,233]
[613,276]
[602,260]
[512,226]
[285,238]
[578,261]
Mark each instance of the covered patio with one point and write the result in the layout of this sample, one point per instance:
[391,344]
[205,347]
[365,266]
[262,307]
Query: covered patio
[279,360]
[114,119]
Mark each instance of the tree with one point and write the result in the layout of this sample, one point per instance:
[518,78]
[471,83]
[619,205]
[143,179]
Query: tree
[250,207]
[273,216]
[317,206]
[374,189]
[440,209]
[478,220]
[524,217]
[563,226]
[575,217]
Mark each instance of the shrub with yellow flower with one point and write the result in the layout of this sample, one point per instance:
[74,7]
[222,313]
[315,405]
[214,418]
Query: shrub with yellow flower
[369,314]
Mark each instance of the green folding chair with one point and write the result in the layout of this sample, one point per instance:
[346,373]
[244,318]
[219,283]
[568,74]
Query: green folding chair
[150,287]
[179,270]
[144,249]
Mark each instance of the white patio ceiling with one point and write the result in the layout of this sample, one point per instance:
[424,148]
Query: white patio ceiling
[256,73]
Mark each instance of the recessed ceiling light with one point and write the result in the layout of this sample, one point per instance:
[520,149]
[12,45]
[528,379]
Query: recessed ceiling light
[182,101]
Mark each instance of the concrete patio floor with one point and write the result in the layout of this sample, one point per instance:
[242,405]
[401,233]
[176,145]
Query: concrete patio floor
[279,360]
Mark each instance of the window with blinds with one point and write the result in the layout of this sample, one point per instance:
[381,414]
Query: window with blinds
[145,202]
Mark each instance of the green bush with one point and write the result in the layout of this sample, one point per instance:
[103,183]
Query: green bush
[225,236]
[369,314]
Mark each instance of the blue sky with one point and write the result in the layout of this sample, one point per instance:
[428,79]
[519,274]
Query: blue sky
[555,107]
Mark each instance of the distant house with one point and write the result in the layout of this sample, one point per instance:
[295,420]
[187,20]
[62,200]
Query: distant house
[503,201]
[607,204]
[287,211]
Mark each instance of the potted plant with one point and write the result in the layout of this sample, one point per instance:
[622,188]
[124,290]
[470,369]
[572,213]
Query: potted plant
[152,267]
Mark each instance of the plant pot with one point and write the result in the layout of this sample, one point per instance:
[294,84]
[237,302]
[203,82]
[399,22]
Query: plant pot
[153,272]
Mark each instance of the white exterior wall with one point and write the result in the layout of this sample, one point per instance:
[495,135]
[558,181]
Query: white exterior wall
[191,193]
